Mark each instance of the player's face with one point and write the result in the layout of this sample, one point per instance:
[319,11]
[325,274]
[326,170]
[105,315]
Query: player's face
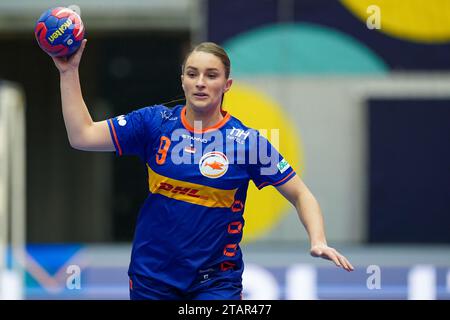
[204,81]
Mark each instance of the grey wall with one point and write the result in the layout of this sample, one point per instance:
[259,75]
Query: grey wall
[329,114]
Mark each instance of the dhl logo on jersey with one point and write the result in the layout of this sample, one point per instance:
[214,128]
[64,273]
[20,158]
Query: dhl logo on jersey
[190,192]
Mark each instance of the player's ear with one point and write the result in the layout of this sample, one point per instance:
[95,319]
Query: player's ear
[182,78]
[228,85]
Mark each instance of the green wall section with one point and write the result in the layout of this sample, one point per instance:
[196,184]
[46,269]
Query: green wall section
[300,48]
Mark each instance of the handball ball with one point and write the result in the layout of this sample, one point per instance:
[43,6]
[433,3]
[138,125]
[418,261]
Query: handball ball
[59,31]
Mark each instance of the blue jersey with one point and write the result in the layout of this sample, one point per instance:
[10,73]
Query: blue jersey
[192,220]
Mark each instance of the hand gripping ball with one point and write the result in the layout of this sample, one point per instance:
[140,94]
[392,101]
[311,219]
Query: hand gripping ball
[59,32]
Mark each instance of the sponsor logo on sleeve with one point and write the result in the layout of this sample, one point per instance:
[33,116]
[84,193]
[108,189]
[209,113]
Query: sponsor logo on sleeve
[283,165]
[121,120]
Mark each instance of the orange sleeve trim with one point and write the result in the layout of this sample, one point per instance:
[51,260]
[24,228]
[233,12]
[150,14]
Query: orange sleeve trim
[278,182]
[115,137]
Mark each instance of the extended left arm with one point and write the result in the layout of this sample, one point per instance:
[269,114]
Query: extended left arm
[310,215]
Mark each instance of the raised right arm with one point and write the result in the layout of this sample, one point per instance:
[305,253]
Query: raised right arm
[83,133]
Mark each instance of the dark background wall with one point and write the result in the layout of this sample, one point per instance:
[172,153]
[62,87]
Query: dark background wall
[75,196]
[409,161]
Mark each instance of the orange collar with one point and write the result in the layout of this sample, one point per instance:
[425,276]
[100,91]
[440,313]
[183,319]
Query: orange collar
[218,125]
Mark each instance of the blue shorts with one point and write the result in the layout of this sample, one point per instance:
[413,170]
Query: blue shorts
[142,288]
